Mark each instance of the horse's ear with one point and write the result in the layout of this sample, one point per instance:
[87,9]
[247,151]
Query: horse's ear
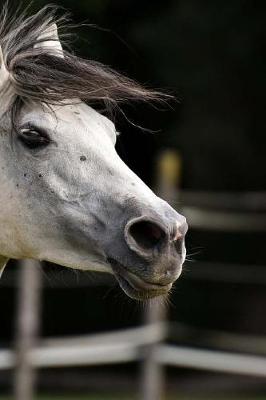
[49,40]
[3,71]
[6,95]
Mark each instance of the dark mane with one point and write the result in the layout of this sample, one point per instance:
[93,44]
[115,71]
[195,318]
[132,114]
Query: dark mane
[44,77]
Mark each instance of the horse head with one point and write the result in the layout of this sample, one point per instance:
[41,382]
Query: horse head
[66,196]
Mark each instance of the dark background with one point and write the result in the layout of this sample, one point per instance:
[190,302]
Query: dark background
[211,55]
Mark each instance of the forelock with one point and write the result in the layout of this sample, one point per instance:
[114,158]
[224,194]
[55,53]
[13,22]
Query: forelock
[40,75]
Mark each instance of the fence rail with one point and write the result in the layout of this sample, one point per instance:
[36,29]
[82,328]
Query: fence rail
[224,221]
[127,346]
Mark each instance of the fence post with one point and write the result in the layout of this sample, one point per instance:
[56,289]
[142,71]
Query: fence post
[28,316]
[152,372]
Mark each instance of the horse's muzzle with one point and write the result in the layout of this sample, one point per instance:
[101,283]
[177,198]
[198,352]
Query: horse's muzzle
[156,253]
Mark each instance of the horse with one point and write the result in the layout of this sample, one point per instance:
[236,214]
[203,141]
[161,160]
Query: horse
[66,196]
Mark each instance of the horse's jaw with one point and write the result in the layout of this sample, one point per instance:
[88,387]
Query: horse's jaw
[3,262]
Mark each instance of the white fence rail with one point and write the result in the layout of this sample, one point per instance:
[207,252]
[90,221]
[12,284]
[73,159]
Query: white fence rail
[127,346]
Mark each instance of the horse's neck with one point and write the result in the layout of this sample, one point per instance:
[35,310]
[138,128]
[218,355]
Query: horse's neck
[3,262]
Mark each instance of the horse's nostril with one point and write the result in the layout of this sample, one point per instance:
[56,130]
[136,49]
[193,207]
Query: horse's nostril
[147,234]
[179,245]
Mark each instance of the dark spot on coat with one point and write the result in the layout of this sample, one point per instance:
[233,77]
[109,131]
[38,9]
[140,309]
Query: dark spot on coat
[110,171]
[40,175]
[83,158]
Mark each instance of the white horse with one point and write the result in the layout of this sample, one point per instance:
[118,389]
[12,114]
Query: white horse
[66,196]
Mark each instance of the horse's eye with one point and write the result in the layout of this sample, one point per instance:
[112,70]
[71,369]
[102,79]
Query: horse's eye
[33,138]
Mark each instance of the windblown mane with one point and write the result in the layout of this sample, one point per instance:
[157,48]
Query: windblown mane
[38,75]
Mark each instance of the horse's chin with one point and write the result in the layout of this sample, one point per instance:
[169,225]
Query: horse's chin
[134,286]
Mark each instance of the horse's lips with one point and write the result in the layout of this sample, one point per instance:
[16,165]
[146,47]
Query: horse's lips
[134,286]
[139,284]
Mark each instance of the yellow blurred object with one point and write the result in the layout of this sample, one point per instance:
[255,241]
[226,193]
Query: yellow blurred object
[169,169]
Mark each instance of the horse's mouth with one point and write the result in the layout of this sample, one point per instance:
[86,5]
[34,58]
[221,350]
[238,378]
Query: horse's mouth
[136,287]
